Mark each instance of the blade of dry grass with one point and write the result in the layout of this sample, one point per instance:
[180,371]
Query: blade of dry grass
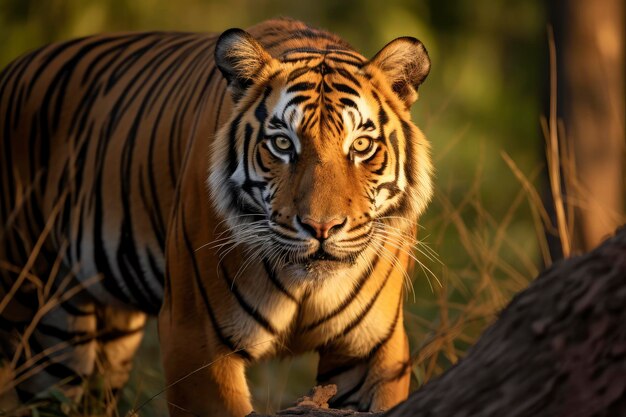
[553,154]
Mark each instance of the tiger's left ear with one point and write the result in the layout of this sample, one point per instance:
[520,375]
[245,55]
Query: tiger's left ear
[406,64]
[241,59]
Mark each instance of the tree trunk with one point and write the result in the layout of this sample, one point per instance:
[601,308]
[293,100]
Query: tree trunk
[558,349]
[590,47]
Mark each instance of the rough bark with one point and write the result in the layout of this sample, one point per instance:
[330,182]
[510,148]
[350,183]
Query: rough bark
[558,349]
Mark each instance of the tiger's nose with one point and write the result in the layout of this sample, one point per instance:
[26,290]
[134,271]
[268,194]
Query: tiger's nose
[321,230]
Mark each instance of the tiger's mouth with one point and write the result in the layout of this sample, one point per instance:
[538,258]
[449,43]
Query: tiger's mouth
[309,255]
[323,262]
[322,255]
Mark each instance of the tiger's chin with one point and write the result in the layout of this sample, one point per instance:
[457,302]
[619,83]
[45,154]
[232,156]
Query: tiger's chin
[320,264]
[318,270]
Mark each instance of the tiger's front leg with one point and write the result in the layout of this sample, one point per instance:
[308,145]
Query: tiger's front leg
[201,380]
[375,383]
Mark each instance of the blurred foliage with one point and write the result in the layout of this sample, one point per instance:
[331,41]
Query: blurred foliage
[482,98]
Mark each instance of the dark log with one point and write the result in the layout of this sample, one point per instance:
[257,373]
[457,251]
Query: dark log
[305,411]
[558,349]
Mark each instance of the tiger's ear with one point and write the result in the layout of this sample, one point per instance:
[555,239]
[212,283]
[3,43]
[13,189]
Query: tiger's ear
[241,59]
[406,64]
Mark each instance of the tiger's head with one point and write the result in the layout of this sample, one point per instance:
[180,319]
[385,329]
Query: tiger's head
[320,149]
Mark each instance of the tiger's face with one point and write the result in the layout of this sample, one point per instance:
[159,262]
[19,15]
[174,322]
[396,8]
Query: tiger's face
[320,154]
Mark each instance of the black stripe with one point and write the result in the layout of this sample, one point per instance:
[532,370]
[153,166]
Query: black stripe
[225,340]
[49,57]
[167,288]
[152,206]
[368,125]
[392,186]
[156,271]
[343,50]
[57,370]
[83,111]
[117,72]
[72,336]
[18,106]
[260,113]
[352,62]
[409,165]
[127,260]
[232,145]
[346,74]
[249,185]
[330,50]
[259,160]
[271,274]
[252,311]
[205,88]
[389,333]
[276,123]
[338,370]
[79,232]
[344,88]
[301,58]
[100,256]
[303,86]
[383,118]
[114,335]
[325,87]
[298,72]
[295,101]
[348,103]
[348,300]
[338,401]
[64,373]
[79,163]
[59,84]
[383,164]
[112,53]
[73,310]
[358,237]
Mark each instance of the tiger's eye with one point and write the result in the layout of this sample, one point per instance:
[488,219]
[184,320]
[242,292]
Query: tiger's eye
[362,145]
[282,143]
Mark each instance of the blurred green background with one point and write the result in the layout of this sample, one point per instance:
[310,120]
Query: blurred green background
[484,96]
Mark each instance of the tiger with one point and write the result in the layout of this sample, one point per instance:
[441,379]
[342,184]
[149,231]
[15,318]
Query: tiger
[259,190]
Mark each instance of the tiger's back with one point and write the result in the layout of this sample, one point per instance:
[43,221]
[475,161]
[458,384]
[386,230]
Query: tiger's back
[94,134]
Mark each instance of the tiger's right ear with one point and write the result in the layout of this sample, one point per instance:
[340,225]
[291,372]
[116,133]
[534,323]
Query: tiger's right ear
[241,59]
